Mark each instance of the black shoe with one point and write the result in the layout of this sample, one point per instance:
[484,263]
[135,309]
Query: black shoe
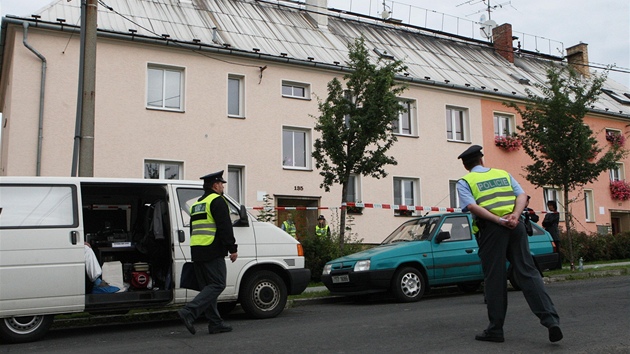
[187,322]
[219,328]
[555,334]
[484,336]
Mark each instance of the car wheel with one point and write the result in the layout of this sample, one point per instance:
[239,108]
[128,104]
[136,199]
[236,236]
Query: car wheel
[24,328]
[264,295]
[408,285]
[469,288]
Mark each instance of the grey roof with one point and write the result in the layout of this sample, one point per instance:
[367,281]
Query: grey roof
[274,27]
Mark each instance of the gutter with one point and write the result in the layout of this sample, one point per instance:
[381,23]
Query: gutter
[42,89]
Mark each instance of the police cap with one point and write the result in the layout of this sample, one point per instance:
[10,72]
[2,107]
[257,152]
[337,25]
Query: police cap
[213,177]
[471,153]
[321,217]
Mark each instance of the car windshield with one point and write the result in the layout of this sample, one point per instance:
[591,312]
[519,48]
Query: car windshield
[413,230]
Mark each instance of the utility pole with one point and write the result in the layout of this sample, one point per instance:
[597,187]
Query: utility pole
[84,128]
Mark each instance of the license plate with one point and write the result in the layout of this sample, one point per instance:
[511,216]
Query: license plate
[340,278]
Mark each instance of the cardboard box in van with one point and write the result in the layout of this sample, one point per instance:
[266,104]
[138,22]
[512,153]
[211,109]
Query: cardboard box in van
[138,227]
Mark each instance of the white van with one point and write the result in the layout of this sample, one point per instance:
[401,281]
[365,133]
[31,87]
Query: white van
[139,228]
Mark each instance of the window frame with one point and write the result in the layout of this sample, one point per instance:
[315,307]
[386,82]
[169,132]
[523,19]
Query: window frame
[307,148]
[589,205]
[415,185]
[238,183]
[618,174]
[165,69]
[499,120]
[465,124]
[293,85]
[409,113]
[240,96]
[550,193]
[453,195]
[162,168]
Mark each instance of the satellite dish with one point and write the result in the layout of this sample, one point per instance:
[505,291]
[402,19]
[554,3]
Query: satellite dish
[482,19]
[486,28]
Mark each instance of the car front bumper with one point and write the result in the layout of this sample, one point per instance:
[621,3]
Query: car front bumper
[359,282]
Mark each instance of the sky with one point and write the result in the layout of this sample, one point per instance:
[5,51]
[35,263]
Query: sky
[549,26]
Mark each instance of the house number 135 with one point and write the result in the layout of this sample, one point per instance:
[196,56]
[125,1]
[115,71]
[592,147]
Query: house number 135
[298,188]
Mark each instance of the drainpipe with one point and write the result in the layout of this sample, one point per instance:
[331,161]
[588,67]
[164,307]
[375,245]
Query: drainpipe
[41,101]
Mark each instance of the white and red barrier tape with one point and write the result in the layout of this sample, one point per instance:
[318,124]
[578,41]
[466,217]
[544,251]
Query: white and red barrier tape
[373,206]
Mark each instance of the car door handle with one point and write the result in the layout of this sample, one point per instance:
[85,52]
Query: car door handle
[181,235]
[74,237]
[470,251]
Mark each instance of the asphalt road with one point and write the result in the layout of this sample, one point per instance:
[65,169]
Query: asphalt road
[595,318]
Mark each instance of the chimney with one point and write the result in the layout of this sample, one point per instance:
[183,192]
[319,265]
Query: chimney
[318,10]
[577,56]
[502,39]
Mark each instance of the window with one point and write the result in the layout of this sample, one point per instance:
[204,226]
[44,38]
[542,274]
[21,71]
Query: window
[165,88]
[454,197]
[405,123]
[235,183]
[235,96]
[295,147]
[353,193]
[456,124]
[295,90]
[458,227]
[405,194]
[503,125]
[554,194]
[38,206]
[617,173]
[347,94]
[162,170]
[589,206]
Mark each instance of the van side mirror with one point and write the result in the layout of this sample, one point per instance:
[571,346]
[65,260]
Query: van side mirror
[444,235]
[243,219]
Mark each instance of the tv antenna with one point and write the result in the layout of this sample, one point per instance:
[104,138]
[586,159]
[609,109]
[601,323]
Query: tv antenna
[489,7]
[386,14]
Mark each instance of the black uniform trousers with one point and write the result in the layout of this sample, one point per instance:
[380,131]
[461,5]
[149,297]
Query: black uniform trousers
[211,278]
[496,245]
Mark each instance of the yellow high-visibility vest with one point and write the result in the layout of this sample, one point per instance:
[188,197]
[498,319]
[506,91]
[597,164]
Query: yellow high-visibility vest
[203,229]
[492,190]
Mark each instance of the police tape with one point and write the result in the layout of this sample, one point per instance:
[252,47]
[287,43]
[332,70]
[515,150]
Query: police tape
[375,206]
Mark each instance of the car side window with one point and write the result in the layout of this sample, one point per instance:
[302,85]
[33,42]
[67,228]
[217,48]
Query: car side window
[458,227]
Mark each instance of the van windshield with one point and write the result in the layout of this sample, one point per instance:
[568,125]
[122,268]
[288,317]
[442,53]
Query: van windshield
[413,230]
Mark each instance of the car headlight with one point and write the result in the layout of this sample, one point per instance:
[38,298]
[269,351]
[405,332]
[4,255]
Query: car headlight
[327,269]
[361,266]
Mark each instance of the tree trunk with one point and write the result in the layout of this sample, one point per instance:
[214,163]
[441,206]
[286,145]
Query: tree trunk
[569,222]
[342,217]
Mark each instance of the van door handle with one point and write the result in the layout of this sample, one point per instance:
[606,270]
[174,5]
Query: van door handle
[74,236]
[181,235]
[470,251]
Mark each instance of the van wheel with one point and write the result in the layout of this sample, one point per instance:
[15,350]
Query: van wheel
[24,328]
[408,285]
[264,295]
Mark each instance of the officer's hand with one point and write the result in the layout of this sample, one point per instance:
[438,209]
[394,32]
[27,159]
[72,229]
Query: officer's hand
[233,256]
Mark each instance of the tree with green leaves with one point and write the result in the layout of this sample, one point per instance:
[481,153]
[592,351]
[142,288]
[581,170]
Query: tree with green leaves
[356,122]
[564,150]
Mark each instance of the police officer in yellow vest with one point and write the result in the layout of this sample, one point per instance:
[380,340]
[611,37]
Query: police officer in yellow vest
[496,201]
[322,229]
[211,238]
[289,226]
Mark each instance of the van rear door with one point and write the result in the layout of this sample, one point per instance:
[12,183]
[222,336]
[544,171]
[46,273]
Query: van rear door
[42,266]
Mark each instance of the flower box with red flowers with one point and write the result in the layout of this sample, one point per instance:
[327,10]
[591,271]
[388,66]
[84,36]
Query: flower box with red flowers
[619,190]
[508,142]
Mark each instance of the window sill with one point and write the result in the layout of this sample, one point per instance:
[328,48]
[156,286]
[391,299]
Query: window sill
[296,168]
[297,98]
[165,109]
[407,135]
[458,141]
[236,117]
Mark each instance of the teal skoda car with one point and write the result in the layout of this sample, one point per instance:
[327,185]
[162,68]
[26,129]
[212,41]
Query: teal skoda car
[430,251]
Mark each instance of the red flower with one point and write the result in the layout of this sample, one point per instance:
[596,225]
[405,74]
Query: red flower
[508,142]
[619,190]
[615,138]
